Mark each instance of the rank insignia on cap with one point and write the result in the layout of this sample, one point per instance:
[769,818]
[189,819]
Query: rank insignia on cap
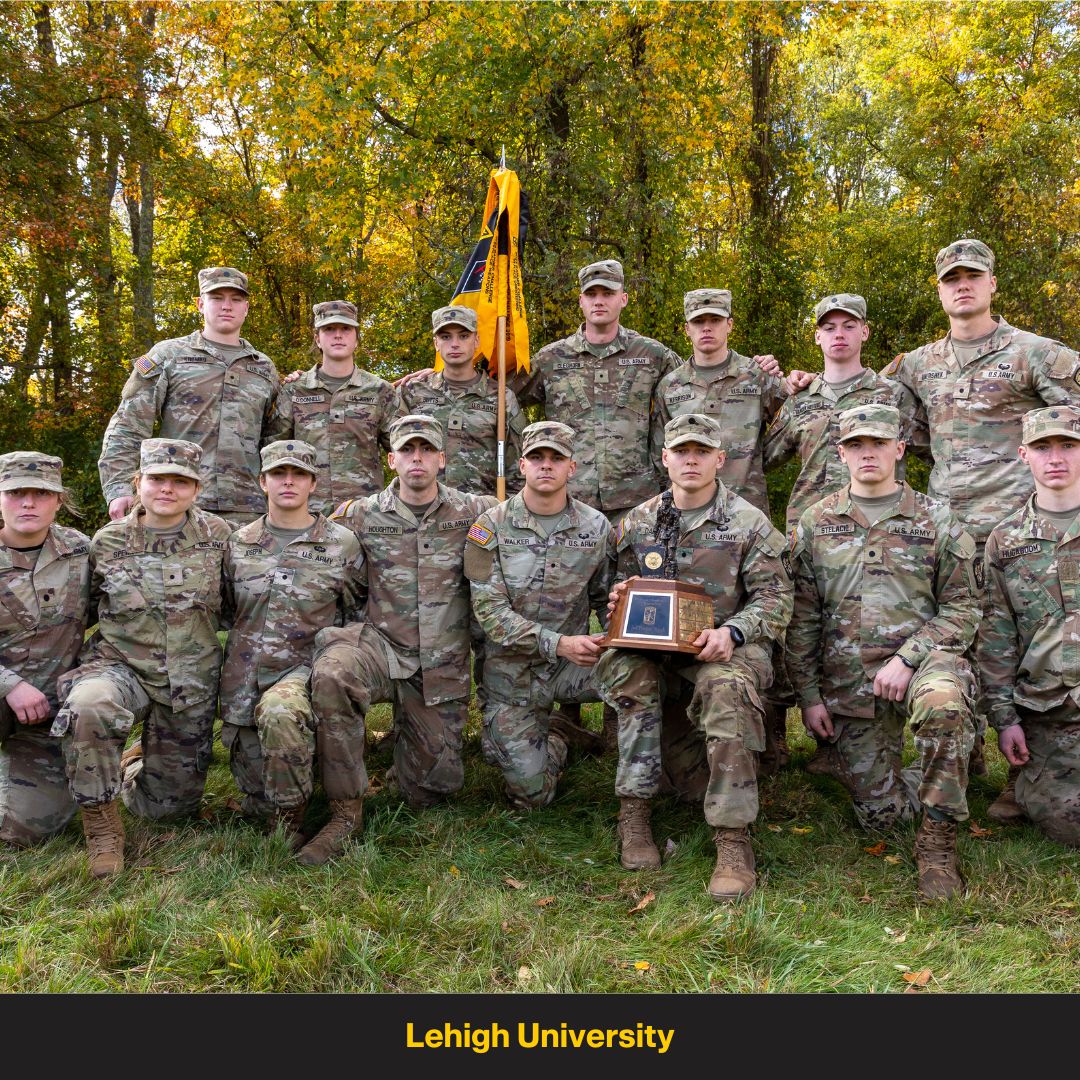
[146,365]
[479,535]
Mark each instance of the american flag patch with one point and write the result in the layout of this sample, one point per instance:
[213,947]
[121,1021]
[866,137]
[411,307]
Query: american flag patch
[479,535]
[147,365]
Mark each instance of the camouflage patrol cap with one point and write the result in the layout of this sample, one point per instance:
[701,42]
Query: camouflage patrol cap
[693,427]
[335,313]
[973,254]
[549,433]
[607,274]
[416,426]
[172,457]
[707,302]
[849,303]
[29,469]
[1056,420]
[454,315]
[289,452]
[877,421]
[222,277]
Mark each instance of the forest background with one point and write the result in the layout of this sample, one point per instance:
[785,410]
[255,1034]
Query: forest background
[781,150]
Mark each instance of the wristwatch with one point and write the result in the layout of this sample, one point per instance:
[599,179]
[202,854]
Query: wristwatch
[736,635]
[905,661]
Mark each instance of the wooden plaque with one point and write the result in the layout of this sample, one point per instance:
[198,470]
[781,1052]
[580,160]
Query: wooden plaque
[658,613]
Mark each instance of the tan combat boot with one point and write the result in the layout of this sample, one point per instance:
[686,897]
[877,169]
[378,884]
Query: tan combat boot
[638,850]
[131,762]
[104,838]
[291,823]
[1005,810]
[935,857]
[346,817]
[734,876]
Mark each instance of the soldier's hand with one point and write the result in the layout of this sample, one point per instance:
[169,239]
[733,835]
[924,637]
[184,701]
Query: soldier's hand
[1013,745]
[892,680]
[817,721]
[717,645]
[292,376]
[119,508]
[769,364]
[412,376]
[581,649]
[798,380]
[28,703]
[613,596]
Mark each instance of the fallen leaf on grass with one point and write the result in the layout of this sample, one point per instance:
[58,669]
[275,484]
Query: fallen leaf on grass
[642,965]
[233,805]
[802,831]
[643,903]
[876,849]
[775,828]
[892,860]
[866,898]
[545,900]
[514,883]
[669,848]
[917,978]
[524,974]
[978,830]
[163,870]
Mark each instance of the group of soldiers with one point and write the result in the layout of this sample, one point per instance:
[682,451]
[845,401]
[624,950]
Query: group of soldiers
[243,503]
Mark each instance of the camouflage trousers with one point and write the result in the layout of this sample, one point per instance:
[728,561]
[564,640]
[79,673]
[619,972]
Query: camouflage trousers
[273,762]
[35,802]
[1048,787]
[351,673]
[938,705]
[723,728]
[104,702]
[516,712]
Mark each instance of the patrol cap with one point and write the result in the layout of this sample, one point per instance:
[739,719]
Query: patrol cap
[335,313]
[1038,423]
[693,427]
[173,457]
[222,277]
[416,426]
[29,469]
[707,302]
[289,452]
[973,254]
[848,303]
[607,274]
[454,315]
[877,421]
[549,433]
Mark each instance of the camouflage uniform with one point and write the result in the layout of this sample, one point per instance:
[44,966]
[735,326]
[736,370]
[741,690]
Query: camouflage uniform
[905,586]
[532,584]
[154,657]
[734,552]
[412,647]
[275,603]
[1029,648]
[44,598]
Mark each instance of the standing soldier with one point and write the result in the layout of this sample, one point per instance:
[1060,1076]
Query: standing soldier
[412,647]
[287,575]
[729,547]
[465,402]
[886,605]
[537,564]
[1028,639]
[211,388]
[44,595]
[344,411]
[154,658]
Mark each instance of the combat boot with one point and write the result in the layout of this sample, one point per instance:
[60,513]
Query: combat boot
[935,858]
[104,838]
[1005,810]
[827,761]
[637,849]
[131,762]
[734,876]
[291,823]
[574,734]
[611,729]
[346,817]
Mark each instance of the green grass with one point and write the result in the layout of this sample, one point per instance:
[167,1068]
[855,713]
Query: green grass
[420,902]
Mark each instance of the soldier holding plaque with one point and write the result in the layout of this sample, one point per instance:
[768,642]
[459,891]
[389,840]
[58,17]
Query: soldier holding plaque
[698,533]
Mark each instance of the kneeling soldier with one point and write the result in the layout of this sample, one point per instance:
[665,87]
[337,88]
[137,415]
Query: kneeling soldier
[728,546]
[886,603]
[1027,641]
[287,575]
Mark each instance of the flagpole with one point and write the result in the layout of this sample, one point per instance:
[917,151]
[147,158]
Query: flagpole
[500,480]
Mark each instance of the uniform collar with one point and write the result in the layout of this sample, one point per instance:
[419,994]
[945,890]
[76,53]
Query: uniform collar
[310,380]
[618,344]
[390,501]
[204,345]
[521,517]
[1034,526]
[195,529]
[820,387]
[845,505]
[258,532]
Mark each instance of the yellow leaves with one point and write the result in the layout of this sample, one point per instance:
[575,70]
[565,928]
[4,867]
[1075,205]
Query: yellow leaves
[643,903]
[802,830]
[455,871]
[524,975]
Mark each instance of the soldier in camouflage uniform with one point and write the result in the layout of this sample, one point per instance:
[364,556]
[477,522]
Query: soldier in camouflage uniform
[44,596]
[413,646]
[537,564]
[155,589]
[1029,641]
[286,576]
[729,547]
[210,388]
[886,605]
[344,411]
[465,402]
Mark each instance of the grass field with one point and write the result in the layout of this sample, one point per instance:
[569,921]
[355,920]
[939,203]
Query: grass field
[473,897]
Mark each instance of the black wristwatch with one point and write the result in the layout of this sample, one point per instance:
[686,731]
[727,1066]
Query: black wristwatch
[736,635]
[905,661]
